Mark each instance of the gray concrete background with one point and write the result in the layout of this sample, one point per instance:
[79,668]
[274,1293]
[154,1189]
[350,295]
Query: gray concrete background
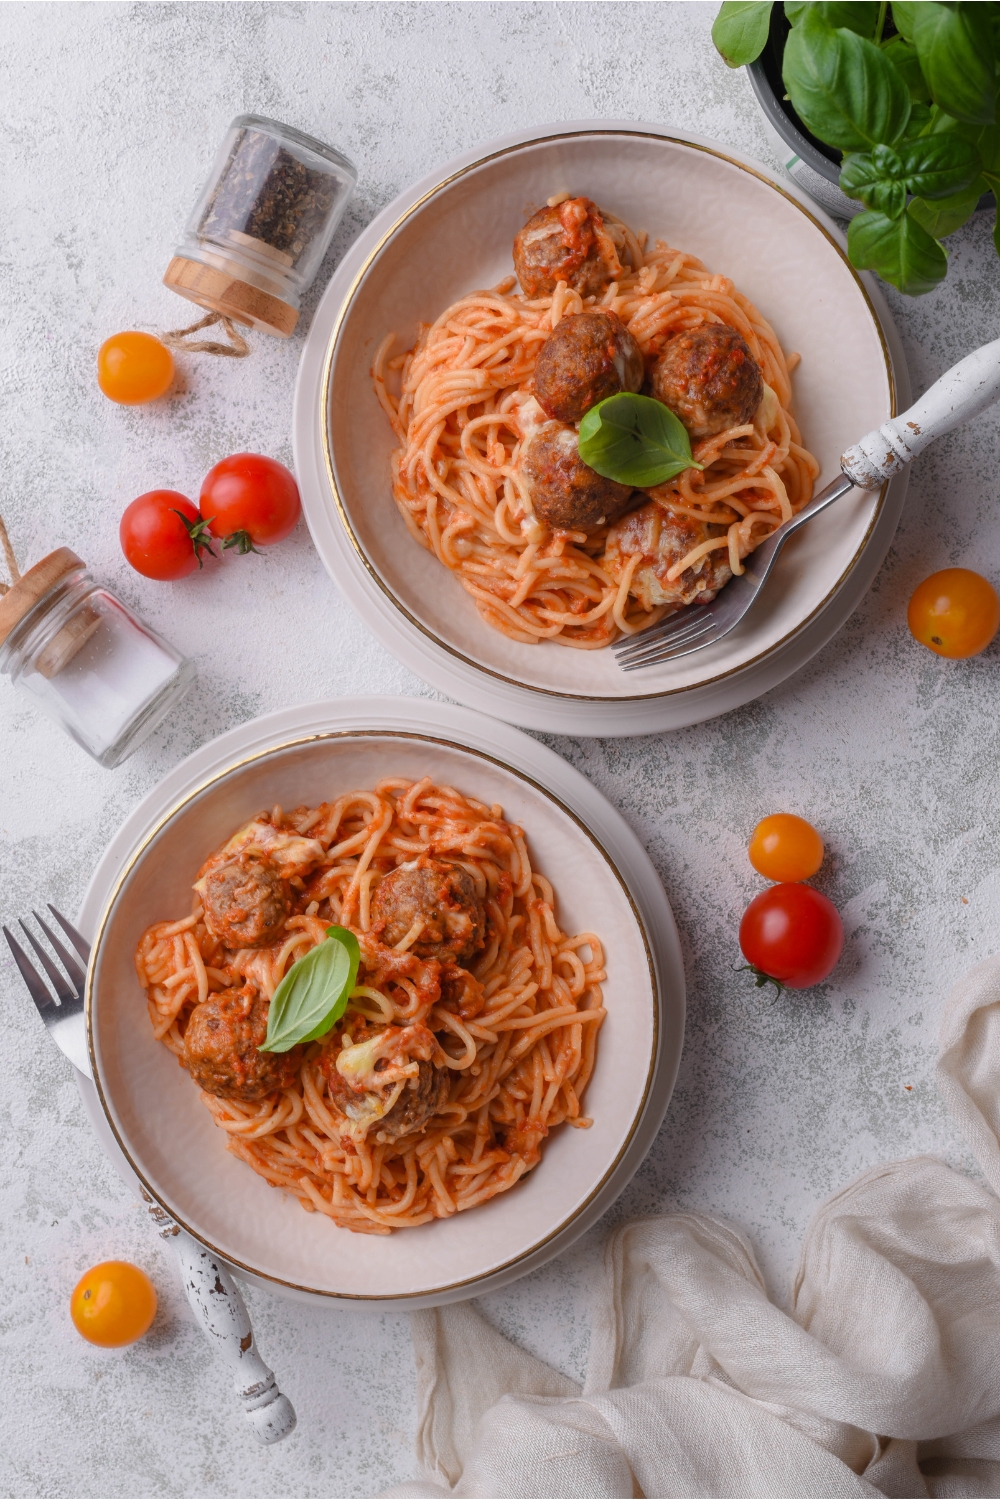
[111,115]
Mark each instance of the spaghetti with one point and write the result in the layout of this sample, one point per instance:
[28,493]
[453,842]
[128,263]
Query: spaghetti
[512,1038]
[456,405]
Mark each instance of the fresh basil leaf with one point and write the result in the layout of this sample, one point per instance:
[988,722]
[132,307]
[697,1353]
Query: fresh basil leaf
[635,440]
[904,18]
[740,30]
[876,177]
[945,215]
[314,992]
[938,166]
[992,181]
[843,88]
[988,142]
[944,124]
[958,57]
[903,56]
[921,119]
[934,166]
[856,15]
[899,250]
[344,936]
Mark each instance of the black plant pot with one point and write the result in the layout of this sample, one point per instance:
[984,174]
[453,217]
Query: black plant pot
[813,166]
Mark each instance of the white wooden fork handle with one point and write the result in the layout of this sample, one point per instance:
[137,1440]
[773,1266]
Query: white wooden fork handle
[225,1322]
[967,389]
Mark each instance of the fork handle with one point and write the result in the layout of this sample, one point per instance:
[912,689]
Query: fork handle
[221,1311]
[964,391]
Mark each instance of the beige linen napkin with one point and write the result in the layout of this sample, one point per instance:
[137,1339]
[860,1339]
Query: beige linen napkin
[884,1379]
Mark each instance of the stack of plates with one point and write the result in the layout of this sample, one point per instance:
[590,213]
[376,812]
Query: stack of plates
[147,1110]
[452,233]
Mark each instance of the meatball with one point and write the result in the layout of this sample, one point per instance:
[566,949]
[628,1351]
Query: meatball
[359,1091]
[421,1097]
[221,1046]
[586,357]
[567,243]
[565,491]
[709,379]
[440,893]
[662,539]
[246,901]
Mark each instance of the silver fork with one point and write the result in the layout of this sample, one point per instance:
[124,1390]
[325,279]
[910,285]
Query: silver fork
[967,389]
[64,1015]
[701,624]
[211,1291]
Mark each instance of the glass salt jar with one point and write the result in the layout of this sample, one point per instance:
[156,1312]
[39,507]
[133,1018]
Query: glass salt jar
[85,660]
[262,225]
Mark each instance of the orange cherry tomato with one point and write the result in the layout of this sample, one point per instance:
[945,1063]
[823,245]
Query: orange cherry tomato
[785,848]
[113,1304]
[133,368]
[954,613]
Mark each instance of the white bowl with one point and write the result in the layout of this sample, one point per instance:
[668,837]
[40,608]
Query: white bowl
[166,1133]
[452,234]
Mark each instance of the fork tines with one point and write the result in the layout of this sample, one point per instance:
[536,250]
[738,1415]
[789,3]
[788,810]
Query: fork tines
[68,995]
[675,636]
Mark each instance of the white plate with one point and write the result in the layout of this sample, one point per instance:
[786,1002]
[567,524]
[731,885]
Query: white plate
[452,233]
[603,879]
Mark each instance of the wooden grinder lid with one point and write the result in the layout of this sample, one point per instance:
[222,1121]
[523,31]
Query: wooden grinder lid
[224,292]
[23,595]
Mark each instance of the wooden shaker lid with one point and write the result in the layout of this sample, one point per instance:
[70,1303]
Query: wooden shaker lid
[23,595]
[224,292]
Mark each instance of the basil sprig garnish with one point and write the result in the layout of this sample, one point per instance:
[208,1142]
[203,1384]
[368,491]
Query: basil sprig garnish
[912,105]
[635,440]
[314,993]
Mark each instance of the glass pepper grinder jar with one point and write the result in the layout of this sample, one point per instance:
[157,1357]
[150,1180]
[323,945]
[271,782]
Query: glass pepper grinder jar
[85,659]
[262,225]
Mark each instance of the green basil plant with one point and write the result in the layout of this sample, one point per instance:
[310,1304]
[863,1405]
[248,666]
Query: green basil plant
[908,94]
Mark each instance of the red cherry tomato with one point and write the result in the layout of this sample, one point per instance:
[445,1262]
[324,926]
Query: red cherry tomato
[793,934]
[250,501]
[162,535]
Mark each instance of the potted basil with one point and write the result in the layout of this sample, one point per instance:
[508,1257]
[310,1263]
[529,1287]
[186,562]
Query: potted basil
[896,102]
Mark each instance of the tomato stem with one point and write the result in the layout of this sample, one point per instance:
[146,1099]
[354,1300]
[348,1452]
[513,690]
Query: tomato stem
[242,541]
[760,978]
[199,534]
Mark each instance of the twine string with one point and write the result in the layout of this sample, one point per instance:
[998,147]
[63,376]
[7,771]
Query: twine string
[179,338]
[8,552]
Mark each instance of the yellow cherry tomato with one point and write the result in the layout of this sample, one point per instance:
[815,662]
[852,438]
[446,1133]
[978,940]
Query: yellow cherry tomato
[955,613]
[133,368]
[785,848]
[113,1304]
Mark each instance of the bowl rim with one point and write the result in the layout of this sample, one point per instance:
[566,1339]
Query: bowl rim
[152,1193]
[494,152]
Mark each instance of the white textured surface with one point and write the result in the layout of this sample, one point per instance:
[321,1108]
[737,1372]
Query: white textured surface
[111,116]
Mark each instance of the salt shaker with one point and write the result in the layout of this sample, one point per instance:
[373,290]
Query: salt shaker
[262,225]
[85,659]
